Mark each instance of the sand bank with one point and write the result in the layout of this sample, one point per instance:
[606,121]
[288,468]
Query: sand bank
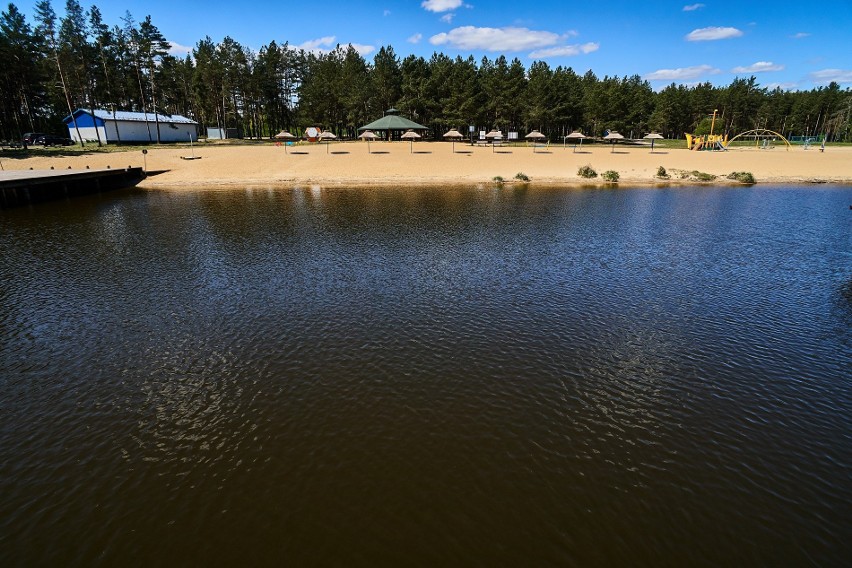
[434,163]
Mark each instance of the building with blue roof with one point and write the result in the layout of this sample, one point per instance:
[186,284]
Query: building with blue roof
[133,127]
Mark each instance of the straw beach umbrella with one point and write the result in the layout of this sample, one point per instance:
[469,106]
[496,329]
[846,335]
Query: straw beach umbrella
[652,137]
[454,135]
[284,135]
[535,135]
[576,136]
[613,135]
[494,135]
[368,135]
[326,135]
[411,136]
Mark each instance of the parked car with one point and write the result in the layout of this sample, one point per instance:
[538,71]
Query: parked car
[29,138]
[51,140]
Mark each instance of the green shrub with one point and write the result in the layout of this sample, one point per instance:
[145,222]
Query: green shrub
[587,172]
[610,176]
[662,173]
[498,179]
[742,177]
[522,177]
[702,176]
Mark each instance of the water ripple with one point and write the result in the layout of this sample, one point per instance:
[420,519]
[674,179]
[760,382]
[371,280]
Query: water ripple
[653,376]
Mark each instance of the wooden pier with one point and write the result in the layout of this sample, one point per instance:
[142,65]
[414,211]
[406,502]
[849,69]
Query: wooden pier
[23,187]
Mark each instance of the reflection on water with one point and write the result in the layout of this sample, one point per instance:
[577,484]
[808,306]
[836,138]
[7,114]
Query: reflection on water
[497,376]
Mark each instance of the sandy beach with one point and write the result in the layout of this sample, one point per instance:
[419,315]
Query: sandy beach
[434,163]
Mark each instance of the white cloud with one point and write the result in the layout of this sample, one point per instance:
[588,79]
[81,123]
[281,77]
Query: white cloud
[325,44]
[692,7]
[782,86]
[178,50]
[759,67]
[829,75]
[800,35]
[441,5]
[564,50]
[682,73]
[448,17]
[713,33]
[363,49]
[496,39]
[319,45]
[415,38]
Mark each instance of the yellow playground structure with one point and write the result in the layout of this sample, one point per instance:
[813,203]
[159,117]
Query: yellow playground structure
[707,142]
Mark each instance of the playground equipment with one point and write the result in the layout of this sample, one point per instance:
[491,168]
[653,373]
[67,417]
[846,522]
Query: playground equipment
[762,135]
[707,142]
[710,141]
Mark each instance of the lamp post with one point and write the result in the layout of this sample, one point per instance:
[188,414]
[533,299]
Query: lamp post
[713,122]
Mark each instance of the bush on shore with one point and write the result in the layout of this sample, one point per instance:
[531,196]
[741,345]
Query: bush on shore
[696,175]
[611,176]
[587,172]
[742,177]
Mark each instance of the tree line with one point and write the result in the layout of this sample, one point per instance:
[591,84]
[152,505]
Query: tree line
[52,66]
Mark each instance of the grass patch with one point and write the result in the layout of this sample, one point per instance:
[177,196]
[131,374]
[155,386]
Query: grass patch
[520,176]
[611,176]
[498,179]
[587,172]
[742,177]
[662,173]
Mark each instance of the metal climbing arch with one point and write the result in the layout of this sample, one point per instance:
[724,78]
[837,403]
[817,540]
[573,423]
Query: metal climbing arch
[759,133]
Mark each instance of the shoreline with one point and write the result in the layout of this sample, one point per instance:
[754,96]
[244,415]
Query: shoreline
[348,164]
[228,185]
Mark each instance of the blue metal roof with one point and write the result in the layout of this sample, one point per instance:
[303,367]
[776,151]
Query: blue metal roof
[124,115]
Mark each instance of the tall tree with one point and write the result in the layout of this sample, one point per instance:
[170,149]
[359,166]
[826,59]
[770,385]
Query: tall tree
[20,75]
[152,48]
[386,79]
[46,18]
[74,49]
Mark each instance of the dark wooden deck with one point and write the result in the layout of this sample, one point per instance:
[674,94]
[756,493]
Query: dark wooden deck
[23,187]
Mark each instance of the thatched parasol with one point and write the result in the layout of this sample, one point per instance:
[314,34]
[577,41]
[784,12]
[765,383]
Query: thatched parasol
[576,136]
[411,136]
[652,137]
[613,135]
[326,135]
[368,135]
[284,135]
[535,135]
[454,135]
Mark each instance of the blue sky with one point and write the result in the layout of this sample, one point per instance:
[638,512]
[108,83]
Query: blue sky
[795,45]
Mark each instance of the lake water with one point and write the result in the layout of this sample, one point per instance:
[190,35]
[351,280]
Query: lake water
[428,377]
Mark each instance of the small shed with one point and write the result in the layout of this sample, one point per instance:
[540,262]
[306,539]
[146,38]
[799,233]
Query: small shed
[125,126]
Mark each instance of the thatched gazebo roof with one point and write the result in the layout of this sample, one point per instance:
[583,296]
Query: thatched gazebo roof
[392,121]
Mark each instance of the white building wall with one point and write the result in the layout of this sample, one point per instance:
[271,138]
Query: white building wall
[132,131]
[181,133]
[135,131]
[89,133]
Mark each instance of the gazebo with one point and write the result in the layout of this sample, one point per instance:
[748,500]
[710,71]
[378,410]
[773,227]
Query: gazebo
[392,122]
